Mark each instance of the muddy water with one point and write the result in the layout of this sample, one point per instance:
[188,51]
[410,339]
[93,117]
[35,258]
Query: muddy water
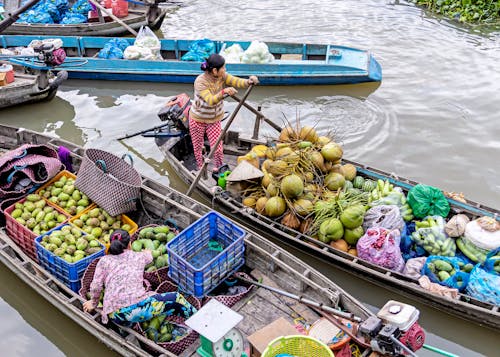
[434,118]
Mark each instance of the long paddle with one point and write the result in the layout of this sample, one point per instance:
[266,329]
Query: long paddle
[103,9]
[219,139]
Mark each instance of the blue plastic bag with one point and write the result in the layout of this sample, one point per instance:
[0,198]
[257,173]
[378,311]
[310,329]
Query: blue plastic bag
[35,17]
[199,50]
[81,7]
[484,281]
[459,280]
[408,248]
[113,49]
[73,18]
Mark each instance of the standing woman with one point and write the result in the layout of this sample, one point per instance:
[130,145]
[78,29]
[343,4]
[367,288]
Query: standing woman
[126,301]
[207,109]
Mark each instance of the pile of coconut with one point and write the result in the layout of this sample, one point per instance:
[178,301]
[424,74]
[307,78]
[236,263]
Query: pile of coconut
[305,184]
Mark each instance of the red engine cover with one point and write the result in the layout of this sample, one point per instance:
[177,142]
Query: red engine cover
[414,337]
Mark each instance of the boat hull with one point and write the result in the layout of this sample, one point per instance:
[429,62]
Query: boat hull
[270,262]
[313,64]
[112,28]
[465,307]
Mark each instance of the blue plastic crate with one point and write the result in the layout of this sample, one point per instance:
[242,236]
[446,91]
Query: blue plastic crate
[195,267]
[69,273]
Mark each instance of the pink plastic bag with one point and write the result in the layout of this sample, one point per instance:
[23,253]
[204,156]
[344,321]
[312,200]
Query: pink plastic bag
[381,247]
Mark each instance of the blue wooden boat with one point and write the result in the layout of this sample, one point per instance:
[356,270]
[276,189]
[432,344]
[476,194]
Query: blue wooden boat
[312,63]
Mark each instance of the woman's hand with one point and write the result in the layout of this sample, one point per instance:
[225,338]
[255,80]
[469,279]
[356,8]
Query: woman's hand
[230,91]
[253,80]
[88,306]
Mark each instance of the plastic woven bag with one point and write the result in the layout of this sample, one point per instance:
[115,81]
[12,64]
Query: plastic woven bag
[385,216]
[426,200]
[446,271]
[484,280]
[199,50]
[381,247]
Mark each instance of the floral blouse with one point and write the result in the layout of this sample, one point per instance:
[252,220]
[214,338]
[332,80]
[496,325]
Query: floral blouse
[122,276]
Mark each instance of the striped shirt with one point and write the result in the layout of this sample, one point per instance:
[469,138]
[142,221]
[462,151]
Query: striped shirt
[208,104]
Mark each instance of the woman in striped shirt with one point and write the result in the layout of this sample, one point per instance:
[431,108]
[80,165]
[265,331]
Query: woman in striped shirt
[207,109]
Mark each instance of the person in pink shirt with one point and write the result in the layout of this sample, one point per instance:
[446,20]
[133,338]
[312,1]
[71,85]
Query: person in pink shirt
[126,301]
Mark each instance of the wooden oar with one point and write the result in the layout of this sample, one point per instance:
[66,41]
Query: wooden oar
[103,9]
[219,139]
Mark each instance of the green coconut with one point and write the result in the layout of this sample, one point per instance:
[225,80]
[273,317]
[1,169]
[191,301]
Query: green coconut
[308,133]
[292,186]
[303,206]
[275,206]
[334,181]
[332,152]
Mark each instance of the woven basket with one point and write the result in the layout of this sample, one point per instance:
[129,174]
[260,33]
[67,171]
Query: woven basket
[176,347]
[109,181]
[231,300]
[159,275]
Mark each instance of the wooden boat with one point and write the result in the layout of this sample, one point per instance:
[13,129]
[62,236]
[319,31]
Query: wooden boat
[262,258]
[316,64]
[30,86]
[177,147]
[139,15]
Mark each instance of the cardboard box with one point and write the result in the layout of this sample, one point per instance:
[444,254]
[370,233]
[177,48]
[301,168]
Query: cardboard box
[261,338]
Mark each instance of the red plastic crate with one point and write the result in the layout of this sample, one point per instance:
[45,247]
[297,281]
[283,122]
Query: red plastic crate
[23,236]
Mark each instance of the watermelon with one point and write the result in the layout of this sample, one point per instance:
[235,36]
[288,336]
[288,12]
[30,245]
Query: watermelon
[369,185]
[358,182]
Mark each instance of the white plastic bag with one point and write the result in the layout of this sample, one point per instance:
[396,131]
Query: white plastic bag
[480,237]
[257,52]
[147,39]
[233,54]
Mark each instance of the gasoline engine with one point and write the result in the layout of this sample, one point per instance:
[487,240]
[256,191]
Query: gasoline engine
[49,51]
[395,330]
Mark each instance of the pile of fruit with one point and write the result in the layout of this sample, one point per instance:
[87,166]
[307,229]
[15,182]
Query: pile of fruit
[98,223]
[154,239]
[160,330]
[443,271]
[35,214]
[69,243]
[64,194]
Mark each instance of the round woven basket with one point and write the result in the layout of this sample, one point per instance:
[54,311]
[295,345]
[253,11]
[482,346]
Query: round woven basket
[298,346]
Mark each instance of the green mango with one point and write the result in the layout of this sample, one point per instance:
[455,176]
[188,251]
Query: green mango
[144,231]
[161,237]
[56,191]
[170,236]
[136,246]
[55,240]
[33,197]
[16,213]
[148,244]
[161,229]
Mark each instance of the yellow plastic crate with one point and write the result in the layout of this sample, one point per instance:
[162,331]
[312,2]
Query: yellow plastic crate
[124,219]
[51,182]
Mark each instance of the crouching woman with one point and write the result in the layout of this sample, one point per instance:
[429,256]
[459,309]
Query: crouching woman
[126,301]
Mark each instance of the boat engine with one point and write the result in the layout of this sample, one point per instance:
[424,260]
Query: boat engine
[395,330]
[176,111]
[49,54]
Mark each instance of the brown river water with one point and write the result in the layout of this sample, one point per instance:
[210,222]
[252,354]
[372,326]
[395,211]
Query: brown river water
[433,118]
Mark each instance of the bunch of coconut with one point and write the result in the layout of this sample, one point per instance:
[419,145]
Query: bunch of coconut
[301,169]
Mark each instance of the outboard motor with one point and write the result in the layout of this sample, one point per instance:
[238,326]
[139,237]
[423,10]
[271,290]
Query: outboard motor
[395,330]
[49,54]
[177,112]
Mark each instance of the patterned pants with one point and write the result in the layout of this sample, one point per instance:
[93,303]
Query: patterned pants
[159,304]
[197,131]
